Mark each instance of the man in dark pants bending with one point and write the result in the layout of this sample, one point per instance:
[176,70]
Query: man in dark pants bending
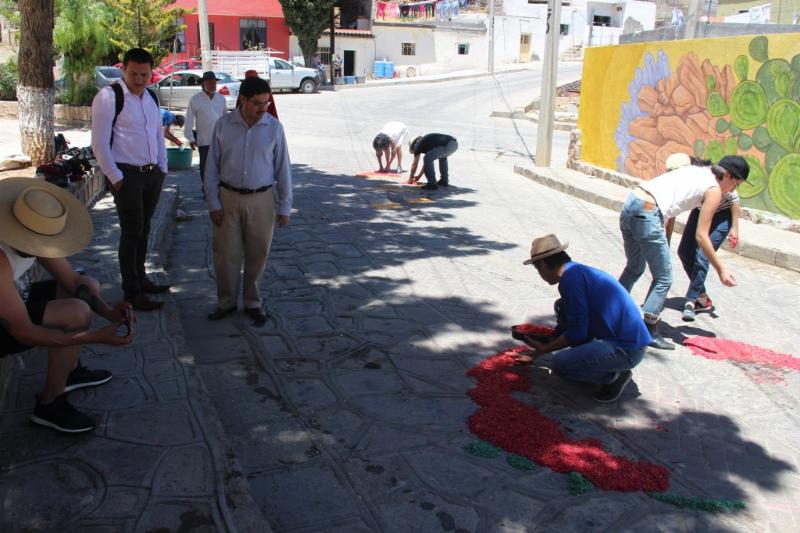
[435,146]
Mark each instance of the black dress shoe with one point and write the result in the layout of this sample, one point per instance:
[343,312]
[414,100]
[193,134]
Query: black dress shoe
[149,287]
[220,313]
[443,183]
[257,314]
[140,302]
[429,187]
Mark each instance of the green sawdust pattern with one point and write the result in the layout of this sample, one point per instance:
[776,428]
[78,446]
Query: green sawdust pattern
[519,462]
[578,484]
[482,449]
[697,504]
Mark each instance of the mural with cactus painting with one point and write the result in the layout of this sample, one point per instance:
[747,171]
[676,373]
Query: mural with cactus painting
[704,101]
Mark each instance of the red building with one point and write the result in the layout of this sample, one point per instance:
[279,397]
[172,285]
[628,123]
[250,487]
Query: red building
[235,25]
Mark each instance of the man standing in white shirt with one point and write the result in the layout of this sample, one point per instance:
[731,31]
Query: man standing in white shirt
[248,187]
[205,108]
[128,142]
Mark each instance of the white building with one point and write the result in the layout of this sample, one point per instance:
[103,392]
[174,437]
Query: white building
[461,42]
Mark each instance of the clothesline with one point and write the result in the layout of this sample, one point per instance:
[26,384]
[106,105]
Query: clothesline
[442,10]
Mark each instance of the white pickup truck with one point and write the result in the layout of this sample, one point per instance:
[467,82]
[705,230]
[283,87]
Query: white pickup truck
[281,74]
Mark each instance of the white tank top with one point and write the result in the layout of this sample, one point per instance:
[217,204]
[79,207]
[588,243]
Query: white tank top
[19,265]
[680,190]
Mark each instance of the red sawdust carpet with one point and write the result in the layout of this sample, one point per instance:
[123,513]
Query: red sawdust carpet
[518,428]
[728,350]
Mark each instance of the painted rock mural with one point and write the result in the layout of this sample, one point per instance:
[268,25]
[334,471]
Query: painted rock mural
[685,102]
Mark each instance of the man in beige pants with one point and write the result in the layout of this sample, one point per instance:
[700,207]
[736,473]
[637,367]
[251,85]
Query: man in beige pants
[248,185]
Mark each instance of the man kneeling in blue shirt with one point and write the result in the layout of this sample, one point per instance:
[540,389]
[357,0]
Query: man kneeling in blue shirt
[603,335]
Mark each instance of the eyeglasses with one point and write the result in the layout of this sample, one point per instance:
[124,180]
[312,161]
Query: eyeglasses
[256,103]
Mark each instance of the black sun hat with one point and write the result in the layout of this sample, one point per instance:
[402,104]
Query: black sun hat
[736,165]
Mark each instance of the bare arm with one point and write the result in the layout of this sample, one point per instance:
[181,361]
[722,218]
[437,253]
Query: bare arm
[414,164]
[14,318]
[171,137]
[81,287]
[733,236]
[669,226]
[542,348]
[711,200]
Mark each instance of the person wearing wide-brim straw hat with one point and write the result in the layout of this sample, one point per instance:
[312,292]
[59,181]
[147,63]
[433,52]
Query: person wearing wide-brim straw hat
[600,336]
[39,221]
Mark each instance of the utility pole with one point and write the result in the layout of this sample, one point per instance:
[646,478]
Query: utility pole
[544,136]
[332,46]
[491,36]
[205,44]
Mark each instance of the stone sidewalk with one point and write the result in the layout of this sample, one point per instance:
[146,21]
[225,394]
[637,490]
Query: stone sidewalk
[158,460]
[347,409]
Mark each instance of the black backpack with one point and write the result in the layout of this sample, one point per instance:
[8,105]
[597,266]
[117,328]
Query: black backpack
[119,103]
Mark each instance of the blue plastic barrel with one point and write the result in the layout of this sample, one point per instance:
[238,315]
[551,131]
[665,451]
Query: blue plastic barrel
[349,79]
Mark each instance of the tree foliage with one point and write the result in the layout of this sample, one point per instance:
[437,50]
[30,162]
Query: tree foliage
[81,37]
[9,10]
[143,24]
[307,19]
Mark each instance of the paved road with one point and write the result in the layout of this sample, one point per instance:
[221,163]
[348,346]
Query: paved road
[347,410]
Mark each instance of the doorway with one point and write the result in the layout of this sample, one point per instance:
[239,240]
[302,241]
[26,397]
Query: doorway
[524,47]
[349,66]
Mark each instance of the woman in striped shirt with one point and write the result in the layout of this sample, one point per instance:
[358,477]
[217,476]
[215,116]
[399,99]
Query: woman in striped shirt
[725,223]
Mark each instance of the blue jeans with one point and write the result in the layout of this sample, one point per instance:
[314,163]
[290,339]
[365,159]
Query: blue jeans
[694,261]
[440,153]
[597,361]
[645,244]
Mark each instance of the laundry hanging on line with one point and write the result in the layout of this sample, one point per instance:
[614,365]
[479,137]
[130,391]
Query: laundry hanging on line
[441,10]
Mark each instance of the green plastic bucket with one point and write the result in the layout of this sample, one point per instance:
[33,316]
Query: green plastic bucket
[179,158]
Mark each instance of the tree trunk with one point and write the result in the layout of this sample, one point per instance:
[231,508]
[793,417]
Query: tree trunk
[35,90]
[308,45]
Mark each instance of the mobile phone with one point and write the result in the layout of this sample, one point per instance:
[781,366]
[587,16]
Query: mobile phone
[126,321]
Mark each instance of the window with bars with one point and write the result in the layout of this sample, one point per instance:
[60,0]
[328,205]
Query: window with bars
[324,55]
[408,49]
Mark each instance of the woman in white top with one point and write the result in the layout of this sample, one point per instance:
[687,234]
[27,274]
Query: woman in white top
[659,200]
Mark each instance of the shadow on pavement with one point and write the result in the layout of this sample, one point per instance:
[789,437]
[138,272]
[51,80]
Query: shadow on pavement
[349,406]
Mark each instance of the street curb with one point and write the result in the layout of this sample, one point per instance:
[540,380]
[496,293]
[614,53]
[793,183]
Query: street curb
[516,115]
[612,196]
[239,510]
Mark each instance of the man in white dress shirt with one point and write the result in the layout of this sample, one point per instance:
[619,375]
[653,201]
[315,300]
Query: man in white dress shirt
[248,188]
[204,110]
[128,142]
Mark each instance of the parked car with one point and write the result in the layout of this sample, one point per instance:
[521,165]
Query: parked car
[104,76]
[283,75]
[176,89]
[187,64]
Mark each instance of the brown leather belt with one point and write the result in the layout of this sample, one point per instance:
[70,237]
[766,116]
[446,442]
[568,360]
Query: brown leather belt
[243,191]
